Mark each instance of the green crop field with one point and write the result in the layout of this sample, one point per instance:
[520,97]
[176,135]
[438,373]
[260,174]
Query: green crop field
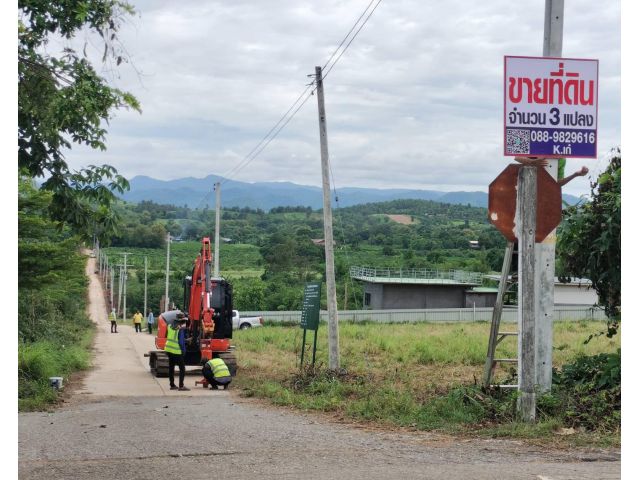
[238,262]
[233,257]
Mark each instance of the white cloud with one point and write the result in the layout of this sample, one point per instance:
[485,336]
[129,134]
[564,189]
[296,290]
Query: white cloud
[415,102]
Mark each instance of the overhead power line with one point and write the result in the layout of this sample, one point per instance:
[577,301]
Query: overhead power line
[347,35]
[352,38]
[302,99]
[255,151]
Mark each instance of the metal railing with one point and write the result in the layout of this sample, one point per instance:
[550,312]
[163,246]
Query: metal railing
[436,315]
[411,274]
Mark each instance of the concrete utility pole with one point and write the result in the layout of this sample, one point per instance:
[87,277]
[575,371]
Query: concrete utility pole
[536,266]
[166,284]
[120,282]
[145,286]
[526,228]
[216,247]
[545,251]
[96,249]
[124,294]
[113,274]
[332,304]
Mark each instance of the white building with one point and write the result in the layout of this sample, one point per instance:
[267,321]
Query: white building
[576,292]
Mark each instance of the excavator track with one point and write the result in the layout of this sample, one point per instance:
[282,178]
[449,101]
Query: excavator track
[159,363]
[229,358]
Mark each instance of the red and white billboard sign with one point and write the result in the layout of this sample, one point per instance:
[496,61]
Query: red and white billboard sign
[550,107]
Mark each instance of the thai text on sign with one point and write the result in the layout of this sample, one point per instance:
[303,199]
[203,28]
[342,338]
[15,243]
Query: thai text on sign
[550,107]
[311,306]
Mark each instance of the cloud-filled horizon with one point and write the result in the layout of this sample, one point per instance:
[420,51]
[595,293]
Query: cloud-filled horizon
[415,102]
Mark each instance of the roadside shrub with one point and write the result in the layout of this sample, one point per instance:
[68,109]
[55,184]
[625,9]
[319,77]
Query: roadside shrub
[589,392]
[37,362]
[598,372]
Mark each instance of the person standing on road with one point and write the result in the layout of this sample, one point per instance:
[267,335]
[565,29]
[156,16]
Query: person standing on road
[113,318]
[217,373]
[176,349]
[150,321]
[137,321]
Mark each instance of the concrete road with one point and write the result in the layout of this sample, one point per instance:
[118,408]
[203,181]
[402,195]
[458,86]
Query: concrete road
[124,424]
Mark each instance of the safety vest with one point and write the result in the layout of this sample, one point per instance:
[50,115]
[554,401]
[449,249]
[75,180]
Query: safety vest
[219,368]
[112,316]
[173,345]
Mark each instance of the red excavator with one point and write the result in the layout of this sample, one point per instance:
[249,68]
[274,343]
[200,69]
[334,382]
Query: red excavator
[209,304]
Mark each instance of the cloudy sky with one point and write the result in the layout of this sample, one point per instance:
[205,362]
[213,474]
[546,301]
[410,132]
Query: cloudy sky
[415,102]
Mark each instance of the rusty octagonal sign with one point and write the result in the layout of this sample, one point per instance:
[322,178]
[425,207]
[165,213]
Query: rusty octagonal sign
[502,203]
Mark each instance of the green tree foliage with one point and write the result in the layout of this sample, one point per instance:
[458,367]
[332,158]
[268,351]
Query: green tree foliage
[278,246]
[589,240]
[52,325]
[62,100]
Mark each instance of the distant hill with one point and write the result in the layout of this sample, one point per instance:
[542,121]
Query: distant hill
[198,193]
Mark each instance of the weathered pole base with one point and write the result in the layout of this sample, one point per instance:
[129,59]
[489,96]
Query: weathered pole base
[527,406]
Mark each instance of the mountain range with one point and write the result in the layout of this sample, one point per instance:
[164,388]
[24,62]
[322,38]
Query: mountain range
[198,193]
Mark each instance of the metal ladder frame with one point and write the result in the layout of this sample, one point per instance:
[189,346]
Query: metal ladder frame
[495,336]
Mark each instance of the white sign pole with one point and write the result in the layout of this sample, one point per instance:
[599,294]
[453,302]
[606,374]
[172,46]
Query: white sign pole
[545,252]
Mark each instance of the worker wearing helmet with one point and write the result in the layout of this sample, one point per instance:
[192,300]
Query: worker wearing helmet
[217,373]
[175,348]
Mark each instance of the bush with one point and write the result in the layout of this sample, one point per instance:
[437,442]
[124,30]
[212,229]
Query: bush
[40,360]
[589,392]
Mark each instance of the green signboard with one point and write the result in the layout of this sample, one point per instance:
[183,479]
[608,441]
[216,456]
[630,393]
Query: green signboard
[311,307]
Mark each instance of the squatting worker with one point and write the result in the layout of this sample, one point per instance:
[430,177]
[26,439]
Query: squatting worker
[113,318]
[176,349]
[150,321]
[137,321]
[217,373]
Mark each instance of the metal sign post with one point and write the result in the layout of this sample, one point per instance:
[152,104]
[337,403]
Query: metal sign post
[310,317]
[550,112]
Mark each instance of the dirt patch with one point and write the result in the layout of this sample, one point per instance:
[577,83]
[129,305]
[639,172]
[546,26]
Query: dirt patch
[402,219]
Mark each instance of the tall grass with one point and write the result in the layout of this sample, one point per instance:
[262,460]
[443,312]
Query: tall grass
[423,375]
[40,360]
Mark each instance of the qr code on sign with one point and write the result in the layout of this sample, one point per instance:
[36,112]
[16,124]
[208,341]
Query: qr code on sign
[518,141]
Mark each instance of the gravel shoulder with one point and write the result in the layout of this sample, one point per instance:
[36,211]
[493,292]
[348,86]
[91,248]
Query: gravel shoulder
[120,422]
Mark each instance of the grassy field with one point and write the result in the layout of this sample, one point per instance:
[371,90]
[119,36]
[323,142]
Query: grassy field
[232,256]
[422,376]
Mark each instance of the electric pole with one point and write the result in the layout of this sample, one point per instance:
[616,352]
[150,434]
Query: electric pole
[526,227]
[145,286]
[536,261]
[97,249]
[216,248]
[332,305]
[120,277]
[166,284]
[546,250]
[124,294]
[113,274]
